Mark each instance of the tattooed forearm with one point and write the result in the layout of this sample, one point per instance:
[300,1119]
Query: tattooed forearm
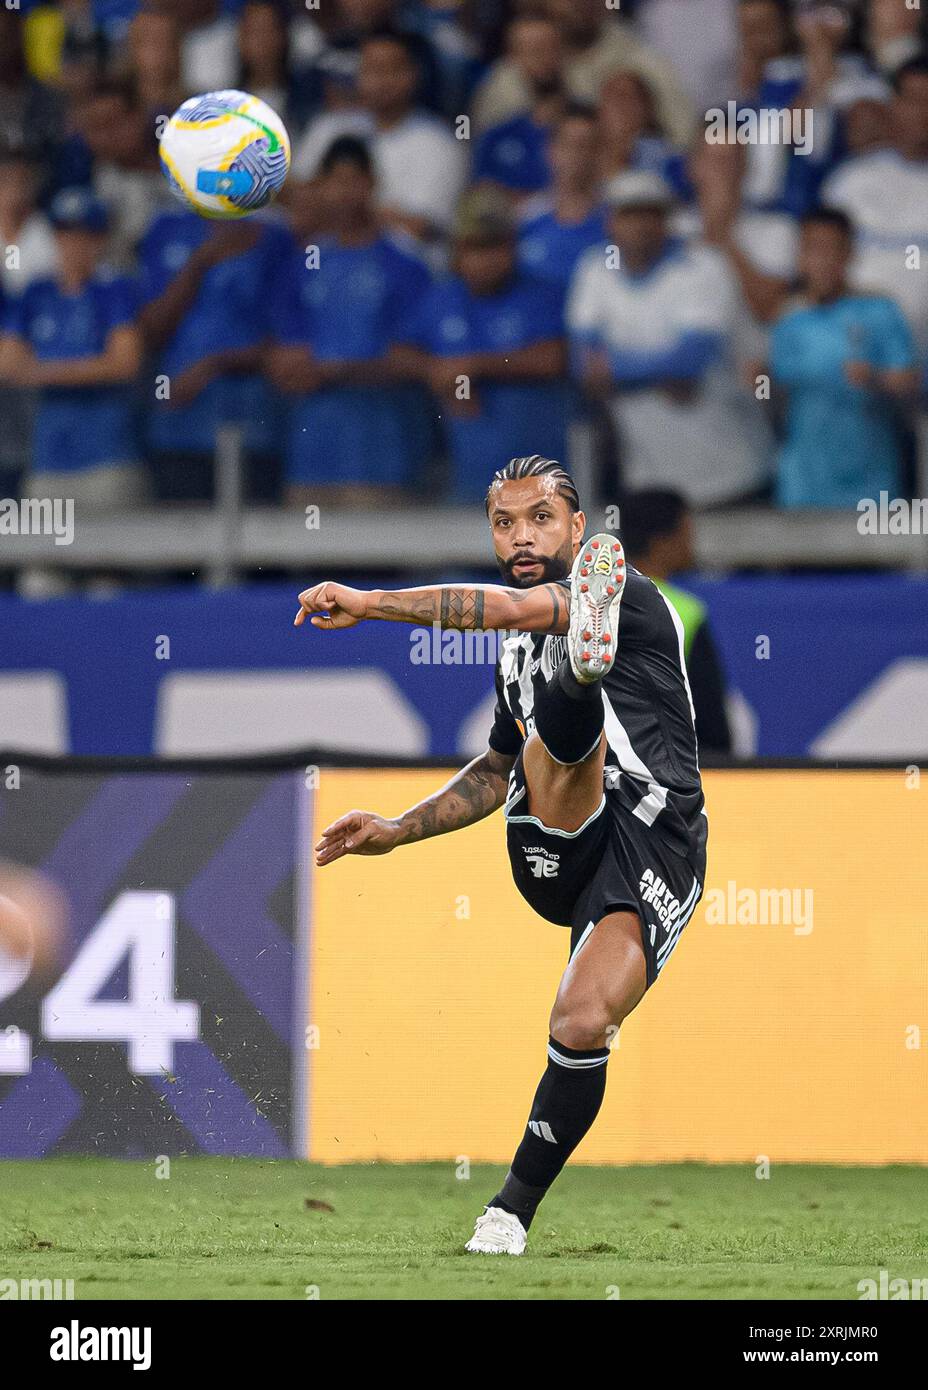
[478,607]
[407,606]
[461,608]
[450,607]
[476,791]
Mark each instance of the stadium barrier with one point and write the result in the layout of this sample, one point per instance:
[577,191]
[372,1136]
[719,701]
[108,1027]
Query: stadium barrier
[225,541]
[219,995]
[184,673]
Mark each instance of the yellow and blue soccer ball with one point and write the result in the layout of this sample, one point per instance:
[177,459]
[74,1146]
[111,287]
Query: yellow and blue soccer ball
[225,154]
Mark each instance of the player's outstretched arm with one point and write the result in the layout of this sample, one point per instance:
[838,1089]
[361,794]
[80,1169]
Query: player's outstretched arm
[473,793]
[486,607]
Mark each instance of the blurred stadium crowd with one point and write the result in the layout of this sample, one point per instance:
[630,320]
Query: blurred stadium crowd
[505,231]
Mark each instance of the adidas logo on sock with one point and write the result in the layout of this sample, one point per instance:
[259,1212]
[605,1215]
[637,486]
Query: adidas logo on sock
[542,1129]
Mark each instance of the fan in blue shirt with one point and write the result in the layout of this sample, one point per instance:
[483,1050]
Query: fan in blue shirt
[73,338]
[206,292]
[549,248]
[845,360]
[514,153]
[555,230]
[339,305]
[489,340]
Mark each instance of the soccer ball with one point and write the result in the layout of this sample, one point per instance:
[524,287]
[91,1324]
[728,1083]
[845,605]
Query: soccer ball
[225,154]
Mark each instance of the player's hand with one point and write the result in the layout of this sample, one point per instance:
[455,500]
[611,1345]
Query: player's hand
[332,606]
[358,832]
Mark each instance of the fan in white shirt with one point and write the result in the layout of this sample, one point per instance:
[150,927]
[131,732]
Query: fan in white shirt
[27,243]
[886,196]
[421,168]
[760,247]
[653,334]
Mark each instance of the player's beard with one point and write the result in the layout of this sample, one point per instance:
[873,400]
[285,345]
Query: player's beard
[552,567]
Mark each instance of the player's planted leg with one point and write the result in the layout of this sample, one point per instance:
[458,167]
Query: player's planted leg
[605,979]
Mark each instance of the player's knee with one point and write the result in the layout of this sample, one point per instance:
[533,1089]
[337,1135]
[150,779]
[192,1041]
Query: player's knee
[583,1024]
[538,759]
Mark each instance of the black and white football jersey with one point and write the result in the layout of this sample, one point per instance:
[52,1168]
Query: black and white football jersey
[652,765]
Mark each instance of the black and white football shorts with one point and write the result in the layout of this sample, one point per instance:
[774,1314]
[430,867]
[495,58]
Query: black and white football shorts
[614,861]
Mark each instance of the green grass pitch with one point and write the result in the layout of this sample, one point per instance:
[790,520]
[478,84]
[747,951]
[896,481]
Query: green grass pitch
[250,1229]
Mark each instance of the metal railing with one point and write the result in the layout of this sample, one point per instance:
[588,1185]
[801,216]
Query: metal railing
[221,541]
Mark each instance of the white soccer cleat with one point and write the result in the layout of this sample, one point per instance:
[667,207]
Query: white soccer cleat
[497,1232]
[597,582]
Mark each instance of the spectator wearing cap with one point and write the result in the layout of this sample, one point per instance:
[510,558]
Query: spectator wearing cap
[206,292]
[352,431]
[488,340]
[650,321]
[845,360]
[514,153]
[557,227]
[657,529]
[885,194]
[597,42]
[420,166]
[73,338]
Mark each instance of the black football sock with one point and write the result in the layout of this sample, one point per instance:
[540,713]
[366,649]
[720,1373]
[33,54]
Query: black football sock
[568,715]
[566,1104]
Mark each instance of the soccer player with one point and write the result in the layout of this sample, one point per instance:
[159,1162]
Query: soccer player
[592,754]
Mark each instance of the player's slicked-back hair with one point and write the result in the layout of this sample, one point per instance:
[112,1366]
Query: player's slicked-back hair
[534,466]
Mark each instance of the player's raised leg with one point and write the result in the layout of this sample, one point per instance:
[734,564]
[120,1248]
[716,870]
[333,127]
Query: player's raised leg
[563,760]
